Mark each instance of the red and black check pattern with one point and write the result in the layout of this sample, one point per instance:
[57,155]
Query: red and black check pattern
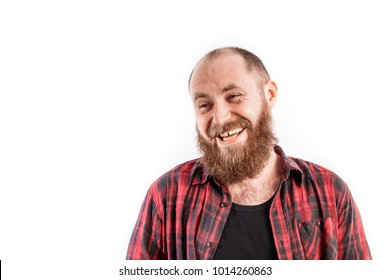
[313,215]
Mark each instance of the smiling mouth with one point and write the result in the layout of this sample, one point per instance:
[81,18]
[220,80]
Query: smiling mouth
[231,134]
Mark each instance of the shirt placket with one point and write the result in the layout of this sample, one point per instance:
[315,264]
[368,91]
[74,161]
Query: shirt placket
[222,206]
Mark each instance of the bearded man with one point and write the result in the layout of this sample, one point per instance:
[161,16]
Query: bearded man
[244,198]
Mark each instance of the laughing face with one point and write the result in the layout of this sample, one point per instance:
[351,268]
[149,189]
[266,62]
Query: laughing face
[233,119]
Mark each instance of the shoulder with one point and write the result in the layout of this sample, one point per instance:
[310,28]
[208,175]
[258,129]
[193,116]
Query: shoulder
[179,177]
[181,173]
[313,173]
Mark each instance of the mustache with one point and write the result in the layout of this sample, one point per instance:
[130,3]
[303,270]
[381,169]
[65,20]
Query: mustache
[216,130]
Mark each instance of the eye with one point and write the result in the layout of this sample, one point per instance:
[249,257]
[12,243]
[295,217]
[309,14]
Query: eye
[233,97]
[204,106]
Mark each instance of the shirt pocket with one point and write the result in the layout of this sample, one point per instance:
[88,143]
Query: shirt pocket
[319,239]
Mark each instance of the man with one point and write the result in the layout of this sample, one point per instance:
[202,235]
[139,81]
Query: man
[244,199]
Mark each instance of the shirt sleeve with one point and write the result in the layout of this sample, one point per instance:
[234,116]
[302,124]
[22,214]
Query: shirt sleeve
[146,242]
[352,242]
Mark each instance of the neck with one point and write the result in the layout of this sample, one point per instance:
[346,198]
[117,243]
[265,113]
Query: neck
[258,190]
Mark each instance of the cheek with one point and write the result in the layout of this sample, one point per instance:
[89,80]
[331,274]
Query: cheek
[202,125]
[252,113]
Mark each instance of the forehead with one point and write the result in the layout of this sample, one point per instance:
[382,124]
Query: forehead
[211,75]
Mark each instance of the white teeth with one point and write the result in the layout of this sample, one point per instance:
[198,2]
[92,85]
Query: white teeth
[231,132]
[235,131]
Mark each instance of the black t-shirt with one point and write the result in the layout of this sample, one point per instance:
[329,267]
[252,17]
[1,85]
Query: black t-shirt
[247,234]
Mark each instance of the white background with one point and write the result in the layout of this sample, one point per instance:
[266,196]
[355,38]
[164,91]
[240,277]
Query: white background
[94,107]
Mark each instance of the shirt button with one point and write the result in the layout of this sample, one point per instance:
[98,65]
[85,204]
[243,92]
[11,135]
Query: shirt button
[319,224]
[223,204]
[209,244]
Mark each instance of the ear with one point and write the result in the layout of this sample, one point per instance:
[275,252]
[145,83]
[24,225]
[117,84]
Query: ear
[270,93]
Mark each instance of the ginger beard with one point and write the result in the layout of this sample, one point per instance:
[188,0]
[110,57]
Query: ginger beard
[238,162]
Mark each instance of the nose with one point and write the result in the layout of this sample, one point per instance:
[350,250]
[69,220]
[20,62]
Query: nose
[221,114]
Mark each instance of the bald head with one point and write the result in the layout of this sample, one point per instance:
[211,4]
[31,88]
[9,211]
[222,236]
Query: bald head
[253,63]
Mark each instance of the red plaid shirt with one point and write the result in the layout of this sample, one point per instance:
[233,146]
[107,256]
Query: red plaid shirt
[313,215]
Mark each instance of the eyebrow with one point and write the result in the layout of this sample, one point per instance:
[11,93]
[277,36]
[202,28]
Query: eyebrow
[200,95]
[231,86]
